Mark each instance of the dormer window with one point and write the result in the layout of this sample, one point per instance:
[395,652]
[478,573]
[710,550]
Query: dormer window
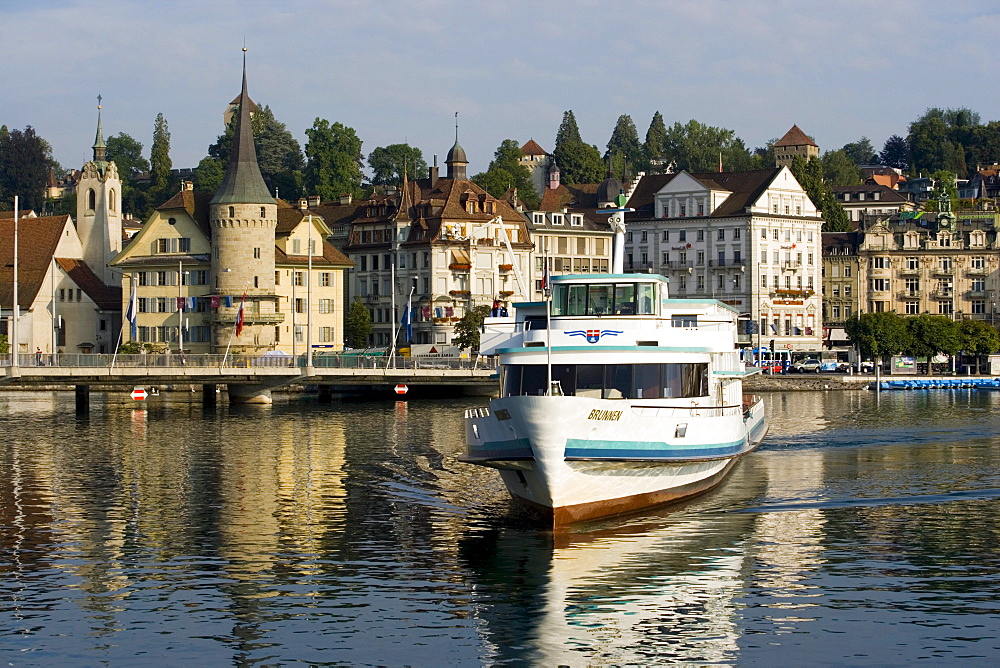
[576,219]
[683,210]
[538,218]
[557,219]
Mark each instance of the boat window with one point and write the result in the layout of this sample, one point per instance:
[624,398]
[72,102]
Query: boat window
[604,299]
[625,299]
[645,298]
[598,299]
[684,320]
[609,381]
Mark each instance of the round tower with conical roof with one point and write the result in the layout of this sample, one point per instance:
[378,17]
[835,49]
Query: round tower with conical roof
[243,217]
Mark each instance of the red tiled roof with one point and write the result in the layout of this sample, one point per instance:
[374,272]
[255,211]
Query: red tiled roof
[37,239]
[531,147]
[106,297]
[795,137]
[196,205]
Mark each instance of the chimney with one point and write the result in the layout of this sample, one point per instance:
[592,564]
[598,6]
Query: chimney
[188,185]
[303,204]
[433,171]
[314,200]
[346,199]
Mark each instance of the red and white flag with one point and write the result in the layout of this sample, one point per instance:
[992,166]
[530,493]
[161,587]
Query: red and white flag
[239,316]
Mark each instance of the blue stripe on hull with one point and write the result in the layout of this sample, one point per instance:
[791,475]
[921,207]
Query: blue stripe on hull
[515,448]
[648,449]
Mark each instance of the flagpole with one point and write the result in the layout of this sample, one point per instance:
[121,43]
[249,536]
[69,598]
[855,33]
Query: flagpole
[131,309]
[14,361]
[547,291]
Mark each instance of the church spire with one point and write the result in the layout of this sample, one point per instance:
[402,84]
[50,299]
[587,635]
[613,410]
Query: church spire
[100,148]
[456,159]
[243,182]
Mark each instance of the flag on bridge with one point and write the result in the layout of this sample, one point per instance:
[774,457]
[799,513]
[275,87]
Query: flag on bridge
[239,316]
[130,314]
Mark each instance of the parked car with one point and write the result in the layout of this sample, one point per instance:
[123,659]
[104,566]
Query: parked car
[807,366]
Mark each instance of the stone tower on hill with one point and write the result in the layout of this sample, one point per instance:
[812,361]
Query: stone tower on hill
[243,217]
[794,143]
[99,210]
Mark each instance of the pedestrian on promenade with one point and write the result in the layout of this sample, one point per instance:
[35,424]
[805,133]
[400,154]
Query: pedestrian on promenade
[38,357]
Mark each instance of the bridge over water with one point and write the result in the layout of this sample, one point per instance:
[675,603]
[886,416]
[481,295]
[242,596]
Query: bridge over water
[249,379]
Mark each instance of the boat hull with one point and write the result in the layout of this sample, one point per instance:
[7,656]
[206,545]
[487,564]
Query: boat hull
[568,457]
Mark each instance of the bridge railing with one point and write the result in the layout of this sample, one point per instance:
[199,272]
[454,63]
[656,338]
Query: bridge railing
[174,360]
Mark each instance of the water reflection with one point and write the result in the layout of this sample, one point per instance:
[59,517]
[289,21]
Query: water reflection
[350,534]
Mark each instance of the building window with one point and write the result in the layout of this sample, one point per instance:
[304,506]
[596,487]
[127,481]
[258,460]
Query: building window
[977,262]
[978,306]
[538,218]
[880,284]
[232,211]
[297,279]
[911,308]
[701,235]
[721,236]
[880,262]
[263,212]
[682,235]
[324,279]
[557,219]
[256,253]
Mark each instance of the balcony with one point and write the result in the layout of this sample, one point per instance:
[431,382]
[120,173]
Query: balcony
[944,293]
[977,294]
[976,271]
[459,266]
[943,271]
[909,271]
[911,294]
[789,265]
[676,264]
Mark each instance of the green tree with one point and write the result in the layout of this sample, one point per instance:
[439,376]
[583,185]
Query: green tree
[861,152]
[944,185]
[3,344]
[697,147]
[467,329]
[840,170]
[978,338]
[985,144]
[810,177]
[931,335]
[624,146]
[388,163]
[764,155]
[895,153]
[656,137]
[24,169]
[279,154]
[208,174]
[357,325]
[877,334]
[159,162]
[126,153]
[333,154]
[578,161]
[506,171]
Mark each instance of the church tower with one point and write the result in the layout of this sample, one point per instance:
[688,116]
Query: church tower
[98,209]
[243,217]
[456,160]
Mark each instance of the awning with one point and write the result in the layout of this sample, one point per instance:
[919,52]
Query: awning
[460,256]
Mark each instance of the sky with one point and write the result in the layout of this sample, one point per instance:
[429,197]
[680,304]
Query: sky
[398,71]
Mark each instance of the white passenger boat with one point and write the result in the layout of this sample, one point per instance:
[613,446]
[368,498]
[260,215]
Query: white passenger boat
[613,397]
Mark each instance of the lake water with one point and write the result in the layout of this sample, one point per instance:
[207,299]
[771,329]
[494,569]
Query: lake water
[864,531]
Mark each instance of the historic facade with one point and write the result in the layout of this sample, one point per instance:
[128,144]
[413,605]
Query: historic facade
[943,263]
[750,239]
[231,271]
[442,244]
[568,231]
